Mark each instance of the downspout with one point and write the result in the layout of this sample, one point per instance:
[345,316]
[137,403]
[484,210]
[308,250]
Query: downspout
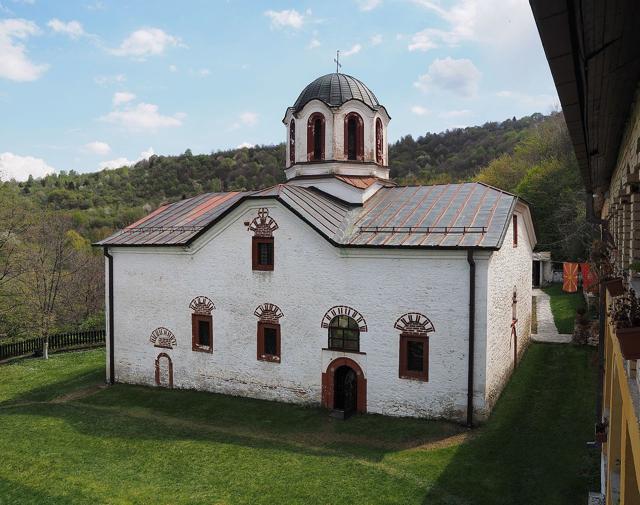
[472,334]
[110,302]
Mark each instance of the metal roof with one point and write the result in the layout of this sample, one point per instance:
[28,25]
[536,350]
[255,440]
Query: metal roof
[336,89]
[592,50]
[357,181]
[443,216]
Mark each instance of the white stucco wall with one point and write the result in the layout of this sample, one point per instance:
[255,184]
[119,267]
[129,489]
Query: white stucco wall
[509,268]
[334,130]
[153,288]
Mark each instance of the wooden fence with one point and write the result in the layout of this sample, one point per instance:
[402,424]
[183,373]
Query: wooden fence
[57,342]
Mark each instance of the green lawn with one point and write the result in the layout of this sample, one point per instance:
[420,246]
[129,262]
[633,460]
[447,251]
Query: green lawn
[563,307]
[65,441]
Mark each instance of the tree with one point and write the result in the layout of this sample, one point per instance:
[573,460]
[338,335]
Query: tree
[51,260]
[13,223]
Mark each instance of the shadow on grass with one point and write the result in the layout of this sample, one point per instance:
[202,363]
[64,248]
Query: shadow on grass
[533,449]
[13,493]
[147,413]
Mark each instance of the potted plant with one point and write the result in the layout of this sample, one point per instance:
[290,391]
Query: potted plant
[601,432]
[601,259]
[615,286]
[625,316]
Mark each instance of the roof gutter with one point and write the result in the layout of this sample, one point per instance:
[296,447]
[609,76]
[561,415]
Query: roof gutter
[110,305]
[472,334]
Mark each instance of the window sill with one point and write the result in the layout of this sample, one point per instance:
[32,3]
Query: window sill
[262,269]
[414,378]
[269,357]
[197,348]
[344,351]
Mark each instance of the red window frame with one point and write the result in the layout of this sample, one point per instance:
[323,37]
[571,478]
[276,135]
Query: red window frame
[195,334]
[261,355]
[359,147]
[292,142]
[404,372]
[379,142]
[255,253]
[515,230]
[311,133]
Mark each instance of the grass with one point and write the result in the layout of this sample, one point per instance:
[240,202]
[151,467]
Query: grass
[65,440]
[563,307]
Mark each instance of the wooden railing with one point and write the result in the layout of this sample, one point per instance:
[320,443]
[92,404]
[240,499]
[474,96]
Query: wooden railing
[57,342]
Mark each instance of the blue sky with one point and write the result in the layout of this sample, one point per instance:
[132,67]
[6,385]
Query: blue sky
[88,84]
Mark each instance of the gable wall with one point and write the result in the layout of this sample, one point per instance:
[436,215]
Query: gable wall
[509,267]
[154,286]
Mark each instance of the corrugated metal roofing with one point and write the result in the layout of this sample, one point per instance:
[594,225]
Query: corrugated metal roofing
[449,216]
[334,90]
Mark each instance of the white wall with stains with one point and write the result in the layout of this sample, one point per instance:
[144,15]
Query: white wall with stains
[153,287]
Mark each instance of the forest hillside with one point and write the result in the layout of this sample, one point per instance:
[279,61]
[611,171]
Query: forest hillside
[531,157]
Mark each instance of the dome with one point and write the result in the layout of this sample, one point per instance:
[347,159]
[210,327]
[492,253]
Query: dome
[336,89]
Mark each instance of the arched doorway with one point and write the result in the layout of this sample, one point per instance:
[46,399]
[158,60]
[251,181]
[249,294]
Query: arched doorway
[164,371]
[344,388]
[345,391]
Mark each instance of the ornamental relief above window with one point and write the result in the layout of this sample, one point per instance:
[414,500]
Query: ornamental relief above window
[263,225]
[163,337]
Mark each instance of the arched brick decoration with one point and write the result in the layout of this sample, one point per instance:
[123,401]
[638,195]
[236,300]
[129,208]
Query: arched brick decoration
[164,356]
[344,310]
[202,305]
[163,337]
[263,225]
[328,381]
[414,323]
[268,313]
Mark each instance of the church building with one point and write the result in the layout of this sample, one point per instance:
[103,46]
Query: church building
[337,288]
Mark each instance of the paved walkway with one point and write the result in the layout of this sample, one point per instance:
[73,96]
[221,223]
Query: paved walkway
[547,331]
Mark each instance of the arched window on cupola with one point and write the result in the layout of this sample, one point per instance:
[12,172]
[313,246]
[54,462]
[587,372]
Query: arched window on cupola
[292,142]
[354,136]
[379,142]
[315,137]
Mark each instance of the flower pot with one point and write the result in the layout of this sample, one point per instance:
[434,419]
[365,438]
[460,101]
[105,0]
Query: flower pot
[629,339]
[615,286]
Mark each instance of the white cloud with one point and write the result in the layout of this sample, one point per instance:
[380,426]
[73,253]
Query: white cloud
[204,72]
[15,65]
[245,145]
[313,44]
[124,162]
[506,25]
[457,76]
[542,102]
[104,80]
[376,39]
[285,19]
[355,49]
[419,110]
[245,119]
[173,68]
[368,5]
[454,113]
[142,117]
[97,147]
[13,166]
[146,42]
[73,28]
[121,97]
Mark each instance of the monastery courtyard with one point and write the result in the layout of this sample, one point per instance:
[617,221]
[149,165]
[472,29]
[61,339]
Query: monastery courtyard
[66,439]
